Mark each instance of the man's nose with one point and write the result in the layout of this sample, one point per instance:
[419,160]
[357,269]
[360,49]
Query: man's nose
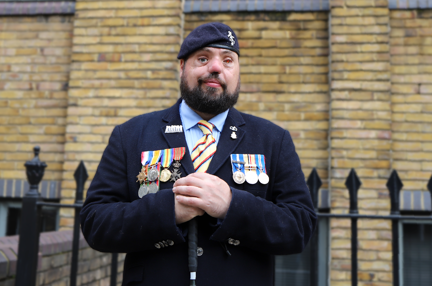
[215,66]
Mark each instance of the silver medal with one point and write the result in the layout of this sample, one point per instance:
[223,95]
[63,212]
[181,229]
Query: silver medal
[153,174]
[153,188]
[239,177]
[263,178]
[251,177]
[143,190]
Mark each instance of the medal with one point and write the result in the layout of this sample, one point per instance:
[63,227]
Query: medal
[239,177]
[153,188]
[177,156]
[175,175]
[263,177]
[251,177]
[142,175]
[166,160]
[153,174]
[238,168]
[143,190]
[251,174]
[165,175]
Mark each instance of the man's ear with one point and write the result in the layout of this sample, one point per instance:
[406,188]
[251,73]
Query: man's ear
[182,63]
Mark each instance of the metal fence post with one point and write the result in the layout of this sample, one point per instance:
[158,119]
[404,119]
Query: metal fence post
[429,186]
[114,263]
[80,176]
[353,184]
[394,185]
[314,183]
[28,246]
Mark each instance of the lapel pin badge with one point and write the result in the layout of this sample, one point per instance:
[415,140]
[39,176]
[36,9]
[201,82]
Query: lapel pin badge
[233,135]
[174,129]
[233,128]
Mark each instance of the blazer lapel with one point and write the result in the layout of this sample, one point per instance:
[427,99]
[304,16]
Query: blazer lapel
[172,117]
[227,145]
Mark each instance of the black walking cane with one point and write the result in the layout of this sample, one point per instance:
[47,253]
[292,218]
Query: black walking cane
[192,251]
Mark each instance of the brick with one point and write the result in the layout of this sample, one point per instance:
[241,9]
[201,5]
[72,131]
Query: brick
[341,12]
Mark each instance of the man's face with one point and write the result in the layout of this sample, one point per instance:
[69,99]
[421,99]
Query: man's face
[210,80]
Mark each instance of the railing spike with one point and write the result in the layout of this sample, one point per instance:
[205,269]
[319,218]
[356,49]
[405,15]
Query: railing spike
[353,184]
[81,177]
[394,185]
[314,183]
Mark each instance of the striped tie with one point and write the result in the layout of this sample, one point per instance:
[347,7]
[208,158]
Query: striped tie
[205,148]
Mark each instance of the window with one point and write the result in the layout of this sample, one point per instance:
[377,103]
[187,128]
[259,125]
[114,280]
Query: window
[10,217]
[416,253]
[294,270]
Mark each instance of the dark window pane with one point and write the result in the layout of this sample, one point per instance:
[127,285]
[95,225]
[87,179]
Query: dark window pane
[293,270]
[417,254]
[13,220]
[48,220]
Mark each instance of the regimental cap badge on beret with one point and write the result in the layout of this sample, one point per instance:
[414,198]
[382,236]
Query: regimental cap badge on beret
[215,34]
[231,37]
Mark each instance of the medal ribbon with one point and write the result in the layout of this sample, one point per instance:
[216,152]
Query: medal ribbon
[253,163]
[236,166]
[167,157]
[261,162]
[179,153]
[150,157]
[158,165]
[246,160]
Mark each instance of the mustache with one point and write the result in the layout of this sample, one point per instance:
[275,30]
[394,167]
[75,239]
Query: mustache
[213,76]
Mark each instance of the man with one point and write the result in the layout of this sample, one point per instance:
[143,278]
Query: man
[242,223]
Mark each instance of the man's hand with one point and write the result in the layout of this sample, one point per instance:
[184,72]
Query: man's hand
[203,191]
[184,213]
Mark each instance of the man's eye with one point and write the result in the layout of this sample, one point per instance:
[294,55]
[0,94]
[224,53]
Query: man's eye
[228,61]
[202,60]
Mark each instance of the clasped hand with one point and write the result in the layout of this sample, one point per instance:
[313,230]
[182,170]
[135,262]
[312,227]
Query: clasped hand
[200,193]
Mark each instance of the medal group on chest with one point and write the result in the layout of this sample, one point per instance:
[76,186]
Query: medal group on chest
[156,168]
[249,168]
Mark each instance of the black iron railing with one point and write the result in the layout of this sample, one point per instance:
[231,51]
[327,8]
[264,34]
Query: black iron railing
[28,246]
[29,230]
[353,183]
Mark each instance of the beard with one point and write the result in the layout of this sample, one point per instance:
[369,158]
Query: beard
[205,99]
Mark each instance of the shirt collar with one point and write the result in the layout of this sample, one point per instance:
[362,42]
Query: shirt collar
[190,118]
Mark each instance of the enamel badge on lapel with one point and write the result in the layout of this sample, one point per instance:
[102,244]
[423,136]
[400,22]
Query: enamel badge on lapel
[233,133]
[174,129]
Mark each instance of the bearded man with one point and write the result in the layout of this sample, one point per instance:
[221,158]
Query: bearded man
[236,175]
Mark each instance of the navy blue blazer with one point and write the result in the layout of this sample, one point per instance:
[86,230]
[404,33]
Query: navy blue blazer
[262,220]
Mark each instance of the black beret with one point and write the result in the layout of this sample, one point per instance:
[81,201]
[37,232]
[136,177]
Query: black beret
[216,35]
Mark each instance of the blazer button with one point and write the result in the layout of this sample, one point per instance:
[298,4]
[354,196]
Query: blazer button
[236,242]
[200,251]
[230,241]
[165,244]
[170,242]
[157,245]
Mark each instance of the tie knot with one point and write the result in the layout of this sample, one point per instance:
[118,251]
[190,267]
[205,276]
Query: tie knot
[206,127]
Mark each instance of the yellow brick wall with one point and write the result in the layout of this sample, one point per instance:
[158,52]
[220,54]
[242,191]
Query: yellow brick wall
[411,60]
[284,67]
[34,67]
[376,112]
[360,136]
[123,64]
